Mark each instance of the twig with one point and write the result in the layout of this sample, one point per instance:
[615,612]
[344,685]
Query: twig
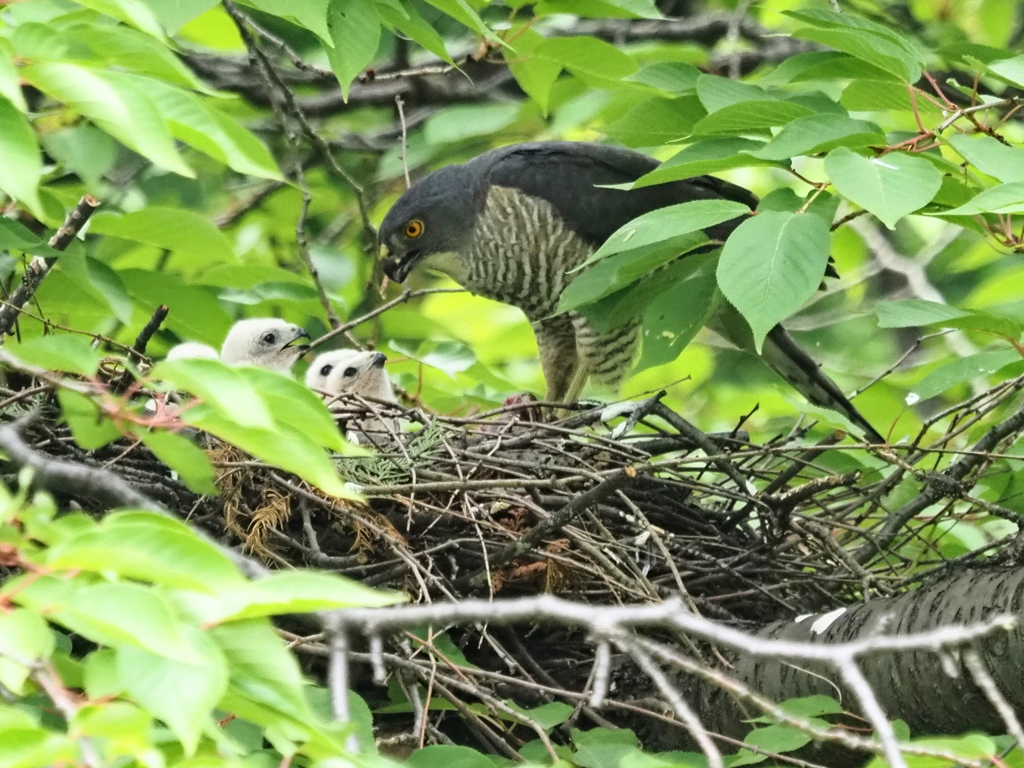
[405,143]
[555,522]
[63,701]
[70,477]
[38,268]
[942,485]
[142,340]
[706,444]
[405,296]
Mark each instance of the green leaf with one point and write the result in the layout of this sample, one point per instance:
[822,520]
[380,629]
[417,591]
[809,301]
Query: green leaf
[606,748]
[122,726]
[673,77]
[84,150]
[863,39]
[872,49]
[600,9]
[33,746]
[690,298]
[771,265]
[355,32]
[990,156]
[183,695]
[778,738]
[463,12]
[716,92]
[100,678]
[750,116]
[175,229]
[963,369]
[196,313]
[179,13]
[98,280]
[826,66]
[18,237]
[220,386]
[820,133]
[311,14]
[293,404]
[908,313]
[1010,69]
[890,186]
[785,199]
[10,87]
[410,23]
[1005,198]
[812,706]
[20,158]
[137,52]
[261,668]
[133,12]
[63,352]
[918,312]
[114,103]
[547,716]
[200,124]
[449,756]
[884,96]
[707,156]
[656,121]
[279,446]
[24,639]
[594,61]
[662,228]
[148,547]
[288,592]
[89,427]
[461,122]
[451,357]
[535,75]
[615,272]
[114,614]
[184,457]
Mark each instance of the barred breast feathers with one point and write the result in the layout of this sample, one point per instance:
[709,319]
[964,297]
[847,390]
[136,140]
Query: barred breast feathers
[522,252]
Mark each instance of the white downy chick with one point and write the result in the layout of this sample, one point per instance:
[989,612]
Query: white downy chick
[264,342]
[190,350]
[351,372]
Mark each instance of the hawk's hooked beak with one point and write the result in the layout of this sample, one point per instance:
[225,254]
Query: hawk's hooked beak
[397,267]
[301,347]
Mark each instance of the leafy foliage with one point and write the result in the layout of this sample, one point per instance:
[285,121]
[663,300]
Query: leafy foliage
[173,633]
[208,160]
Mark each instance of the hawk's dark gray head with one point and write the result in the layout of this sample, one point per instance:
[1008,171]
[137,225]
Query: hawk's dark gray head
[431,222]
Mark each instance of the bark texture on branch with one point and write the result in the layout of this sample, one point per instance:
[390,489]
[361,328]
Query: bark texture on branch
[935,693]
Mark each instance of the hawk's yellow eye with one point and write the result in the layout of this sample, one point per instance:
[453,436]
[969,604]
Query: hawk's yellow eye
[414,228]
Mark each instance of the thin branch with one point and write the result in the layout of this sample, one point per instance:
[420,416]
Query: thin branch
[39,267]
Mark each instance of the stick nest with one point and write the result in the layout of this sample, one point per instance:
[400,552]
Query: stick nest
[604,508]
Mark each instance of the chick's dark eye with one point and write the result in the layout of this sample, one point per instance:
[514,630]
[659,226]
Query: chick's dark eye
[350,372]
[269,338]
[326,370]
[414,228]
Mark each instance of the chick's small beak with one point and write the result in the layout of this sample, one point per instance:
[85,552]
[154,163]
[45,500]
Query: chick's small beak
[300,334]
[378,360]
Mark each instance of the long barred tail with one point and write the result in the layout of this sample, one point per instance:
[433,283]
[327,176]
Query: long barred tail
[784,356]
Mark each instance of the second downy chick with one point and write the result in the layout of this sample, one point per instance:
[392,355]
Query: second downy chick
[342,372]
